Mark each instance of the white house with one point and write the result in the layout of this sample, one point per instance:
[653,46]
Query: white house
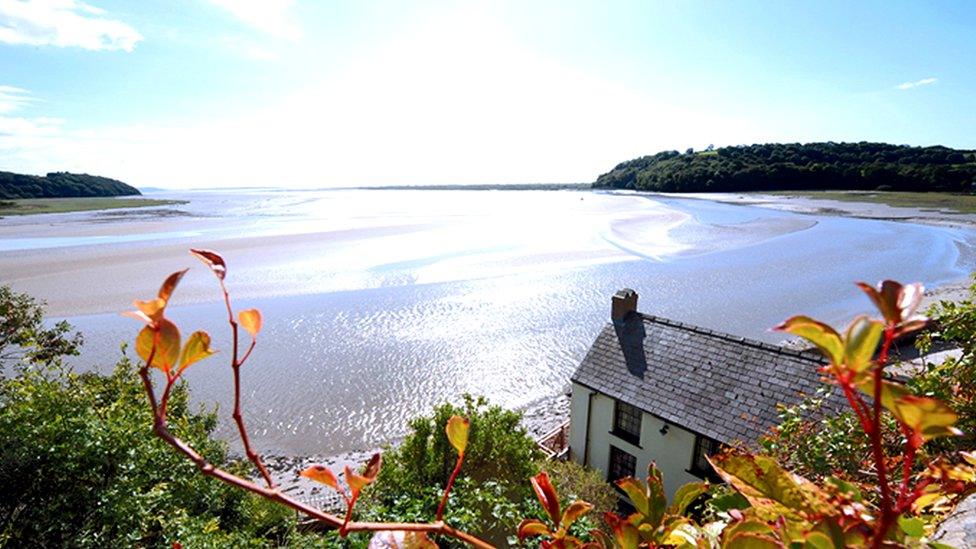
[652,389]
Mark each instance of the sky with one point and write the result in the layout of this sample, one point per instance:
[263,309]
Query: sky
[313,93]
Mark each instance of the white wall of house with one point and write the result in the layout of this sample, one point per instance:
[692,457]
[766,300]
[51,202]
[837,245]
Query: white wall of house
[672,452]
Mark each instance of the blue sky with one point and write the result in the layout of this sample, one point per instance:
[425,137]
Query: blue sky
[184,93]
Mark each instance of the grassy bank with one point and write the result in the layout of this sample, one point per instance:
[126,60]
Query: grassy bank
[61,205]
[948,202]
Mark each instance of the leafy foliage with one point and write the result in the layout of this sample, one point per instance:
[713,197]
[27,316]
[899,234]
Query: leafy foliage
[491,489]
[23,338]
[795,166]
[498,449]
[954,379]
[78,469]
[577,482]
[61,185]
[816,443]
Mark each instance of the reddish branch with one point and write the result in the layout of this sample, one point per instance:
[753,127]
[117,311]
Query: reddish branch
[161,429]
[450,484]
[877,448]
[235,365]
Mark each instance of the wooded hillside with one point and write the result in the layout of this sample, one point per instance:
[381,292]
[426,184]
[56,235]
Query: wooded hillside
[60,185]
[795,166]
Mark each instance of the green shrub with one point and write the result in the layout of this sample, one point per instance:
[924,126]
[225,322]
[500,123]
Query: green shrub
[81,468]
[79,465]
[492,492]
[954,379]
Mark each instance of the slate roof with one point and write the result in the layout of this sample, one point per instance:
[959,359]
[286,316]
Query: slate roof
[714,384]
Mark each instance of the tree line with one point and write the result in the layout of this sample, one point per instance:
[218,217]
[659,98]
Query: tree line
[61,185]
[797,166]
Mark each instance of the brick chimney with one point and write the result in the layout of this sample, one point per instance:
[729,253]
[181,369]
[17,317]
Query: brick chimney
[623,303]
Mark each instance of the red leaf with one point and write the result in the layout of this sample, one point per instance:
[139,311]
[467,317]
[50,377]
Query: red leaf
[212,260]
[547,496]
[897,303]
[531,528]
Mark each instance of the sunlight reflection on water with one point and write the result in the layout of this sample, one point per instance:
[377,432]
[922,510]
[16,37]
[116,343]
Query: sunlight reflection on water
[496,293]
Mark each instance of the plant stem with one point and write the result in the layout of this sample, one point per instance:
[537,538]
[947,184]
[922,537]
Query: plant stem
[236,368]
[877,448]
[450,484]
[161,430]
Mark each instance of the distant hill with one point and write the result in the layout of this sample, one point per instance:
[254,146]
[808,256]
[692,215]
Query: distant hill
[795,166]
[61,185]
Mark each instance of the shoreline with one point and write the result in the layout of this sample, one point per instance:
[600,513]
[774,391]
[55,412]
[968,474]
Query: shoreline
[539,418]
[37,206]
[809,203]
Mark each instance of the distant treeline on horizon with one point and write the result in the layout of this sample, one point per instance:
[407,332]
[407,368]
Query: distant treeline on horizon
[796,166]
[61,185]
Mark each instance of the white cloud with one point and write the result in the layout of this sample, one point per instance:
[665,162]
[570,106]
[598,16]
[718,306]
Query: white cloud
[13,98]
[272,17]
[917,83]
[63,23]
[18,134]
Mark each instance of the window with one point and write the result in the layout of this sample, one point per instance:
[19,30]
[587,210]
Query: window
[622,464]
[704,446]
[627,422]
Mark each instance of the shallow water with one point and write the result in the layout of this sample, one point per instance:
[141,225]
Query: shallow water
[379,304]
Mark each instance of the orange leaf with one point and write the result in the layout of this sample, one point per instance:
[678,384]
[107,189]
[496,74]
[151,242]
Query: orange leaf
[359,481]
[196,349]
[167,345]
[250,320]
[457,433]
[625,534]
[153,308]
[166,290]
[212,260]
[637,492]
[547,495]
[531,528]
[321,473]
[575,510]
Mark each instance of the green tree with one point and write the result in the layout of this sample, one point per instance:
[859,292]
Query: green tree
[23,337]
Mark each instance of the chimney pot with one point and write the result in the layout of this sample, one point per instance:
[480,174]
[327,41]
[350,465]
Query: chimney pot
[623,303]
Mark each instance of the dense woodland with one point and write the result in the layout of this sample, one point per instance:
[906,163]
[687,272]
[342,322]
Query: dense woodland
[60,185]
[795,166]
